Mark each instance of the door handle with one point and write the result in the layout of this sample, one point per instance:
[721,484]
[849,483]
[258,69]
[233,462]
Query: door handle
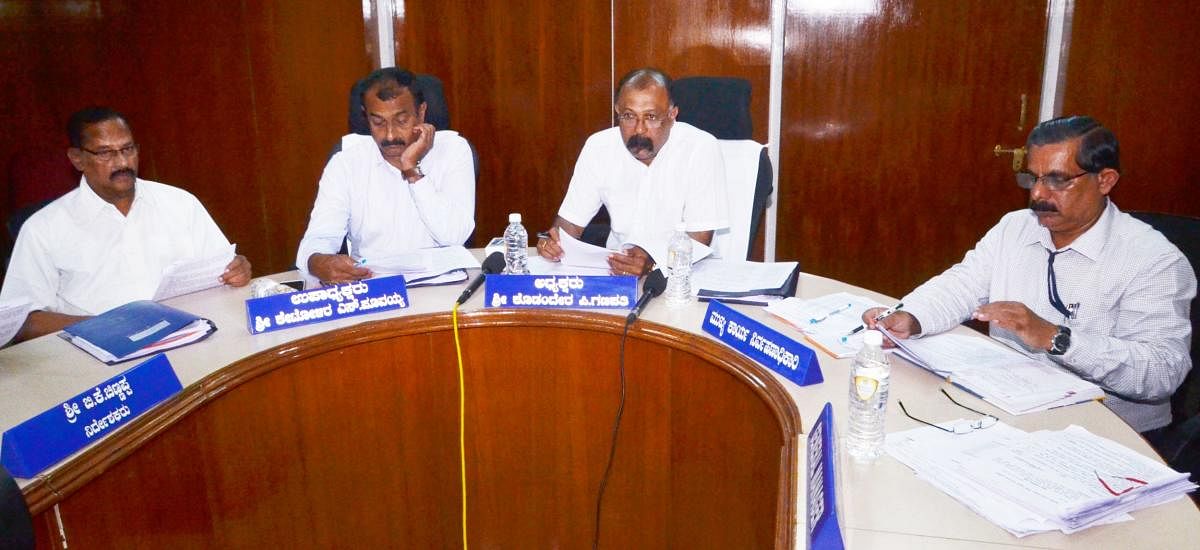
[1018,154]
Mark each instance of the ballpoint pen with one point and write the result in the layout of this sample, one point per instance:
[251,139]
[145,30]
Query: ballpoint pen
[883,314]
[836,311]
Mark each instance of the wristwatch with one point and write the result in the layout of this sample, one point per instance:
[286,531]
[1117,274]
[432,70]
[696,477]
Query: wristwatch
[1060,342]
[412,175]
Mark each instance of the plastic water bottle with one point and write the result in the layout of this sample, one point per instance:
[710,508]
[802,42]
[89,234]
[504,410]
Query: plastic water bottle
[869,378]
[679,267]
[516,247]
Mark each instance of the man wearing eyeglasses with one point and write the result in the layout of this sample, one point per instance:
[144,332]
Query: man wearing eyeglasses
[107,242]
[1072,279]
[651,172]
[404,187]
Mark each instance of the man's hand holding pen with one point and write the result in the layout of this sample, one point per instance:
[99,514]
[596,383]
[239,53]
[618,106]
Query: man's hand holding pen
[901,324]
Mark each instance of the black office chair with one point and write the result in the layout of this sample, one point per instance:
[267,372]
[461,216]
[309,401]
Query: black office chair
[16,527]
[1180,445]
[721,107]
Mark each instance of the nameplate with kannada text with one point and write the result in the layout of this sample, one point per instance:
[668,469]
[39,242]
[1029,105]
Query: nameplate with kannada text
[765,345]
[327,303]
[37,443]
[561,291]
[824,532]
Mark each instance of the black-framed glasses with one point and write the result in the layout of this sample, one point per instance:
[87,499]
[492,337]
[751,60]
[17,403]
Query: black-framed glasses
[1026,180]
[961,427]
[651,120]
[109,155]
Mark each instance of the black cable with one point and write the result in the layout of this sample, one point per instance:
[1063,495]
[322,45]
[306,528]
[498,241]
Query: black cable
[612,450]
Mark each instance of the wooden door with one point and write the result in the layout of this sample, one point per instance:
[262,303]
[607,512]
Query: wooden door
[1135,69]
[891,109]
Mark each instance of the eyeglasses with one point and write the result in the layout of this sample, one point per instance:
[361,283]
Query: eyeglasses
[960,427]
[1026,180]
[630,120]
[109,155]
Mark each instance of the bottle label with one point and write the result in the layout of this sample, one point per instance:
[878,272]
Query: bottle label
[865,387]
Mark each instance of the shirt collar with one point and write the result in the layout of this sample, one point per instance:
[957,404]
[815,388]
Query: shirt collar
[88,205]
[1090,243]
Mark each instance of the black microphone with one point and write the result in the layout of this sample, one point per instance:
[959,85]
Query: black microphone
[655,284]
[494,263]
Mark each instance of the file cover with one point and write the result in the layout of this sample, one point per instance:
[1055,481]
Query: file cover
[137,329]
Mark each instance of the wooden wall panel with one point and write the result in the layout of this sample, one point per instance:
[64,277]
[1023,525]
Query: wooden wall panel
[1135,70]
[707,38]
[527,81]
[890,113]
[237,103]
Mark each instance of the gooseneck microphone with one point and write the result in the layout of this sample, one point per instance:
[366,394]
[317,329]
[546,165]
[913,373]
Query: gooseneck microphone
[494,263]
[655,283]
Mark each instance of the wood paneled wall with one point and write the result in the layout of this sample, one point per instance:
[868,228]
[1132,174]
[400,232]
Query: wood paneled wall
[237,102]
[1135,70]
[890,109]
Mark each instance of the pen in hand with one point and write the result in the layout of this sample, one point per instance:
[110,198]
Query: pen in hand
[882,315]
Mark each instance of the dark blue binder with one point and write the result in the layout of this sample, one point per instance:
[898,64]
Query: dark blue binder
[134,330]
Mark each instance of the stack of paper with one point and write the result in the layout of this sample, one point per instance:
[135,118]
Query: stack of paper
[12,317]
[743,282]
[188,276]
[827,321]
[1065,480]
[998,374]
[427,266]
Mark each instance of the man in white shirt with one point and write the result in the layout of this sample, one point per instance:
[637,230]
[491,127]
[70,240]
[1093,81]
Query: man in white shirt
[651,172]
[1072,280]
[107,242]
[405,187]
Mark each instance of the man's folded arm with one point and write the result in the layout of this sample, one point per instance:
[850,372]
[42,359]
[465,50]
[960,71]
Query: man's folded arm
[39,323]
[446,200]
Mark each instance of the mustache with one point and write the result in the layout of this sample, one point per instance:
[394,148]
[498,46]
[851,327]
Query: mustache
[123,172]
[391,142]
[1042,206]
[639,142]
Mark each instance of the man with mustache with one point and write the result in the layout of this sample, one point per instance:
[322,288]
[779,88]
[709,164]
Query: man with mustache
[1072,280]
[405,187]
[107,242]
[651,172]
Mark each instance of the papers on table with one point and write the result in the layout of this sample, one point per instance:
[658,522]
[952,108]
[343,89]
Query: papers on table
[577,253]
[186,277]
[541,266]
[740,281]
[1065,480]
[12,316]
[826,320]
[135,330]
[998,374]
[426,266]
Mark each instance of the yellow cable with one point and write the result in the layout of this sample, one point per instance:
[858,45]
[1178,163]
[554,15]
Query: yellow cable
[462,422]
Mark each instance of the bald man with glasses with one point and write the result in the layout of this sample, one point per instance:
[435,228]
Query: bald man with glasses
[1072,280]
[650,171]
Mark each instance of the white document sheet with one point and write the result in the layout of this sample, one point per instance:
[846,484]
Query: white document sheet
[580,254]
[427,266]
[541,266]
[827,320]
[12,316]
[739,276]
[191,276]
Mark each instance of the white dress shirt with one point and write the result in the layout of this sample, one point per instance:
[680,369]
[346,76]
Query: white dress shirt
[364,197]
[1130,288]
[685,182]
[80,256]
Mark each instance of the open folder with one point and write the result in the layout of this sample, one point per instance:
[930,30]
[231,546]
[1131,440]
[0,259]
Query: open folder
[135,330]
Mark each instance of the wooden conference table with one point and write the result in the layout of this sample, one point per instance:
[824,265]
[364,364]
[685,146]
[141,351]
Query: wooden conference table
[356,420]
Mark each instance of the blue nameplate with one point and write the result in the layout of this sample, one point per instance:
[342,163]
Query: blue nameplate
[326,303]
[560,291]
[47,438]
[771,349]
[824,533]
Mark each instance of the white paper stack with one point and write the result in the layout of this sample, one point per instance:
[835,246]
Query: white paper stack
[427,266]
[827,321]
[1066,480]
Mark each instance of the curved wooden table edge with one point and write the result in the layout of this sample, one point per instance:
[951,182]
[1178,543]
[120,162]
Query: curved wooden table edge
[46,490]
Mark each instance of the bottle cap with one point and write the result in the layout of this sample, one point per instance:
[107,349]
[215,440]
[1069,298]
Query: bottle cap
[873,338]
[515,217]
